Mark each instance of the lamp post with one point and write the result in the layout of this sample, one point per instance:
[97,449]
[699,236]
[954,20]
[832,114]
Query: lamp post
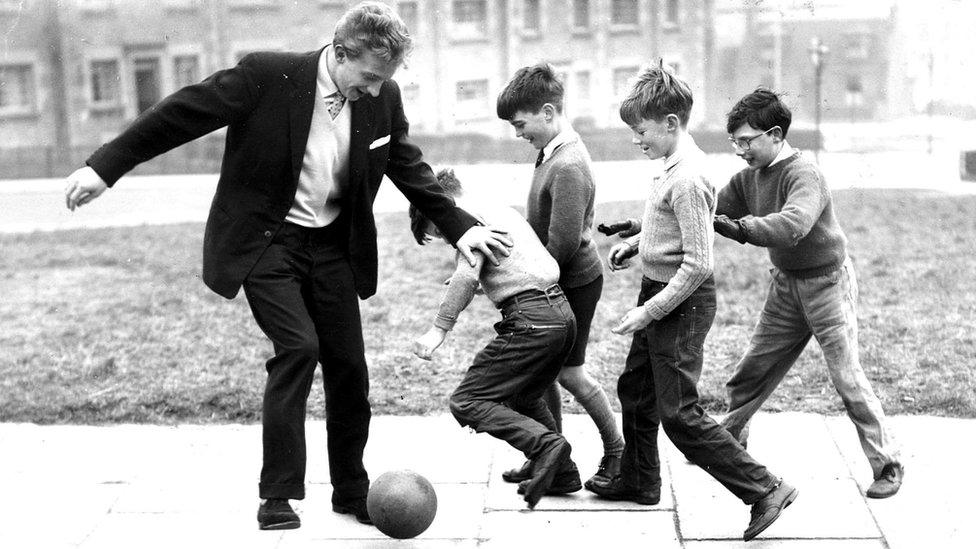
[818,56]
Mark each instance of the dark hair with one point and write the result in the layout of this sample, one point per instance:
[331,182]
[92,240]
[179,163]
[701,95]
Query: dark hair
[449,185]
[761,109]
[657,92]
[373,26]
[530,89]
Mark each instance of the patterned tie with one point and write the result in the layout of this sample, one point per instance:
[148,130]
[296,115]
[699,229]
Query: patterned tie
[538,159]
[335,106]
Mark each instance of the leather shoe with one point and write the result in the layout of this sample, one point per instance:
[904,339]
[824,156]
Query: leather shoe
[609,468]
[566,481]
[356,508]
[617,490]
[547,463]
[518,475]
[767,510]
[888,483]
[277,514]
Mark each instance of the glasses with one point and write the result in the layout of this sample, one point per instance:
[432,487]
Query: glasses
[745,143]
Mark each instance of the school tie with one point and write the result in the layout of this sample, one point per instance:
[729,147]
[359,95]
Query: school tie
[336,100]
[538,159]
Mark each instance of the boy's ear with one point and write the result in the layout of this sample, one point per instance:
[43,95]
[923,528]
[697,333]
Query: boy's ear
[549,110]
[673,122]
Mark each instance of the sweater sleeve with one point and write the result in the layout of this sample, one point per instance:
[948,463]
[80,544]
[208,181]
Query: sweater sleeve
[730,200]
[690,204]
[569,197]
[806,198]
[460,291]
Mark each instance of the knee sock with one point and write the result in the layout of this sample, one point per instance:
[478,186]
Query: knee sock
[554,401]
[597,405]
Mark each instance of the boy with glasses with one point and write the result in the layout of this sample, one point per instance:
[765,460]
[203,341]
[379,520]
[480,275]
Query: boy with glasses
[781,202]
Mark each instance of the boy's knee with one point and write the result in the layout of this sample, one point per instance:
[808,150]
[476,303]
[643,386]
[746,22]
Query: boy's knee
[574,380]
[461,408]
[306,349]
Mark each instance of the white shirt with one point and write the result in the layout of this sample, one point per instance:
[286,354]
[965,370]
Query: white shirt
[325,166]
[785,152]
[564,136]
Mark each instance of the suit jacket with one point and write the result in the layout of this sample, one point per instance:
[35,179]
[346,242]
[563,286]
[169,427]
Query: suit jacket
[266,104]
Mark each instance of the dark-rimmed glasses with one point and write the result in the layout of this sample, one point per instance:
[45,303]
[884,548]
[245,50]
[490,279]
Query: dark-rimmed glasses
[745,143]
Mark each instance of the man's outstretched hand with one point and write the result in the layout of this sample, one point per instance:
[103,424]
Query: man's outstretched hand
[487,240]
[82,186]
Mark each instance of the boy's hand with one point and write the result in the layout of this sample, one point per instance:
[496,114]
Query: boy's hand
[730,228]
[426,344]
[623,229]
[636,319]
[82,186]
[484,239]
[619,256]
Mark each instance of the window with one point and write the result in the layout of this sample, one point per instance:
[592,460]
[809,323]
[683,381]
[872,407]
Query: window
[105,83]
[186,70]
[621,80]
[470,18]
[409,13]
[472,98]
[583,86]
[624,12]
[470,11]
[17,93]
[530,15]
[672,14]
[854,91]
[857,45]
[581,14]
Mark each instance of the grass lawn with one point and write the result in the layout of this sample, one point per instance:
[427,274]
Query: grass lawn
[114,325]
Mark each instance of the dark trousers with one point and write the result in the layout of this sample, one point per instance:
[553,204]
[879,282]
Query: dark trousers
[659,387]
[302,295]
[501,393]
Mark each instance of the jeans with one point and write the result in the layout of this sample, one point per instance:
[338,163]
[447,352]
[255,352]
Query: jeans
[824,307]
[659,387]
[501,393]
[302,295]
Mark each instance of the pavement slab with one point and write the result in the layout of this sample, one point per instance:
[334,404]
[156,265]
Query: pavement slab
[194,486]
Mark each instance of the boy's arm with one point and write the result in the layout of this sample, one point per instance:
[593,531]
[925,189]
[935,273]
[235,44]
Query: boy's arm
[806,199]
[569,199]
[460,291]
[692,211]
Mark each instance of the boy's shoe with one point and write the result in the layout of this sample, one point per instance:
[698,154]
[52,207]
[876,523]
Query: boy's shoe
[609,468]
[566,481]
[765,511]
[356,508]
[618,490]
[547,463]
[518,475]
[888,483]
[277,514]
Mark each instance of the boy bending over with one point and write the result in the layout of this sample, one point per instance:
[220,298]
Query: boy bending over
[501,394]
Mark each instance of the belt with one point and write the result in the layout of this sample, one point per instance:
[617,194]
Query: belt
[331,233]
[526,297]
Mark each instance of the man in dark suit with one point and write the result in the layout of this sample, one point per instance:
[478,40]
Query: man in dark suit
[309,138]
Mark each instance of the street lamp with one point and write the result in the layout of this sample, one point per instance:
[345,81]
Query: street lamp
[818,56]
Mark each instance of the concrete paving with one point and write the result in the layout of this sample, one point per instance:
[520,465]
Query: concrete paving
[195,486]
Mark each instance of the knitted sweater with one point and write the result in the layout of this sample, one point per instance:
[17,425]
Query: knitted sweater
[676,237]
[527,267]
[787,208]
[560,211]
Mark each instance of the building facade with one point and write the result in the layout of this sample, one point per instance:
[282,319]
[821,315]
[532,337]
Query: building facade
[73,73]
